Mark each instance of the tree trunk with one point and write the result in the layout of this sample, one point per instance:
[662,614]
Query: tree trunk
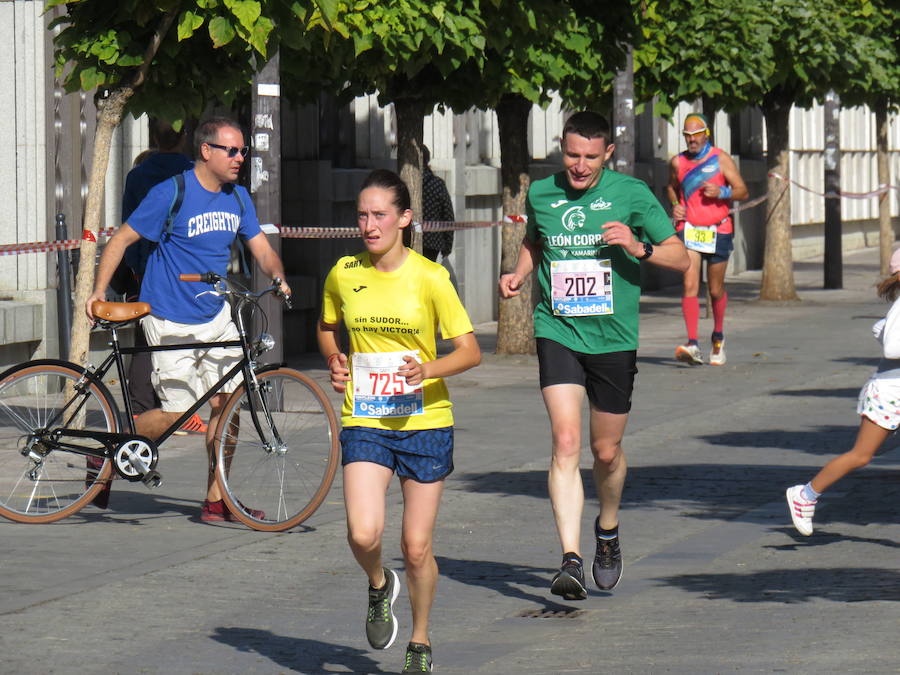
[778,272]
[410,134]
[107,121]
[886,232]
[515,329]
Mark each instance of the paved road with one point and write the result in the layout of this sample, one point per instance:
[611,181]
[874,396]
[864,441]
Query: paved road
[716,579]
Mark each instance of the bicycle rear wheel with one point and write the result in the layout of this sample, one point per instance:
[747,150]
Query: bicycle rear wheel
[35,398]
[287,472]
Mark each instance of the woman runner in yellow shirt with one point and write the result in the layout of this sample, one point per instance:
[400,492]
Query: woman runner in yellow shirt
[396,413]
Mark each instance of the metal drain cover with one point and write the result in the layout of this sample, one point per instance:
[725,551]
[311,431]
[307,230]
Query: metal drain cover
[550,614]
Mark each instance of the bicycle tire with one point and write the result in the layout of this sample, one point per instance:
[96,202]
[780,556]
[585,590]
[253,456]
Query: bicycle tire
[30,395]
[286,481]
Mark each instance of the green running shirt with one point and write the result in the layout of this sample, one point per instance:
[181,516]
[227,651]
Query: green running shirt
[590,291]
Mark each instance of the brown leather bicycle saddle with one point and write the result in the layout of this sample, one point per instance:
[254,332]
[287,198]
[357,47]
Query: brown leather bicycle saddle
[120,311]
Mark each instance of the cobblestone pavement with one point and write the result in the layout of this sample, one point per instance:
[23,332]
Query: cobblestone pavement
[716,579]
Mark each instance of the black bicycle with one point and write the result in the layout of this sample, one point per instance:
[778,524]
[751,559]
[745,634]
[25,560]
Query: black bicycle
[62,435]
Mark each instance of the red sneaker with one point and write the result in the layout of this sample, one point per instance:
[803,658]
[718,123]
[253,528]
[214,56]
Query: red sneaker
[194,425]
[217,512]
[93,466]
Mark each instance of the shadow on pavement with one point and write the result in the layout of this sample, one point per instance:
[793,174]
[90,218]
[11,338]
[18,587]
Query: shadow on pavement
[504,578]
[716,491]
[135,507]
[298,654]
[871,361]
[826,440]
[846,392]
[840,584]
[825,538]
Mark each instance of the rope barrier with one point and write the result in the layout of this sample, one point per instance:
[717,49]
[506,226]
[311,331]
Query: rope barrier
[292,232]
[880,190]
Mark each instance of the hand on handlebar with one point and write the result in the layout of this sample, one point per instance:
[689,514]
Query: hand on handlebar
[283,291]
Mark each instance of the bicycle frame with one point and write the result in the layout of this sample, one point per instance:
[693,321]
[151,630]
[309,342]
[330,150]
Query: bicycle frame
[246,364]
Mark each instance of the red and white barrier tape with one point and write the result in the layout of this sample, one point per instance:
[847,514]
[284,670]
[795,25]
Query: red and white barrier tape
[880,190]
[39,246]
[288,232]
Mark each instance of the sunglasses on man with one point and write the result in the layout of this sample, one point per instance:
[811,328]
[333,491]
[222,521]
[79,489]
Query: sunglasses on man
[231,151]
[686,134]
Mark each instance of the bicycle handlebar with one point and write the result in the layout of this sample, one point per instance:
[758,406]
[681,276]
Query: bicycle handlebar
[212,278]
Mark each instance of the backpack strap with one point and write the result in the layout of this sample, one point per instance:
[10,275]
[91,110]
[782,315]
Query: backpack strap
[241,249]
[177,200]
[240,200]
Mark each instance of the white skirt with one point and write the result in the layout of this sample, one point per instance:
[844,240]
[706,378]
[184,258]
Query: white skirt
[879,400]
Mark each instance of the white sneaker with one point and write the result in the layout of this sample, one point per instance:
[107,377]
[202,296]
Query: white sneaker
[689,354]
[717,355]
[801,510]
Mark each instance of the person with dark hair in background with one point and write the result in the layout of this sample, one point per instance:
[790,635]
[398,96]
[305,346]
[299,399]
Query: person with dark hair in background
[397,412]
[588,228]
[164,159]
[167,160]
[437,207]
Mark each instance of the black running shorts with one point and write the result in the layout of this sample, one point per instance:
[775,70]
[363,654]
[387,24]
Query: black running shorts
[607,378]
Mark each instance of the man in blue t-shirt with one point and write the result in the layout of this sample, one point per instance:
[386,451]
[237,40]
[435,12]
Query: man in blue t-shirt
[213,213]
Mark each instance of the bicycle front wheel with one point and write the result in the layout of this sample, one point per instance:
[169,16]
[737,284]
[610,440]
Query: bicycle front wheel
[276,450]
[38,483]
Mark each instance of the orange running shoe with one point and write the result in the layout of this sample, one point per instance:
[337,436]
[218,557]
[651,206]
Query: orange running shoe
[194,425]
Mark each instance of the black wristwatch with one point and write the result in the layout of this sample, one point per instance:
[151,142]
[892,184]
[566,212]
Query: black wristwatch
[648,251]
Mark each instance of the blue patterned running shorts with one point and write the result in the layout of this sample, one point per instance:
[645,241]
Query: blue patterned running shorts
[424,455]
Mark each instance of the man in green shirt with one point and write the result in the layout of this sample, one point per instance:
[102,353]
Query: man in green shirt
[588,228]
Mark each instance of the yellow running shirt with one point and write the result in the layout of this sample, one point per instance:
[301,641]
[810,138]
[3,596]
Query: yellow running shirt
[388,314]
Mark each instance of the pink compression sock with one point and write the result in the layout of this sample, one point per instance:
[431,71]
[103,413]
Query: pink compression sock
[690,307]
[718,307]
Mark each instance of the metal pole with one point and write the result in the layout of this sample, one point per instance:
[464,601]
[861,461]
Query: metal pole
[63,289]
[833,266]
[265,183]
[623,116]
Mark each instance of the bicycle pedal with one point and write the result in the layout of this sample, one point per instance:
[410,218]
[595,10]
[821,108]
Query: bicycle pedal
[152,479]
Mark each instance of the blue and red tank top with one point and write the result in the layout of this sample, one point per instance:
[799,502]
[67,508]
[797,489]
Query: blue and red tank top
[700,209]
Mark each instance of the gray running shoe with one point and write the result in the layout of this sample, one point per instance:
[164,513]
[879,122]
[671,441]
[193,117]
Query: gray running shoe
[569,581]
[381,624]
[418,658]
[689,354]
[607,567]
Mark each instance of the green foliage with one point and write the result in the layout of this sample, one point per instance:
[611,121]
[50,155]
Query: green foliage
[209,55]
[571,48]
[738,52]
[462,53]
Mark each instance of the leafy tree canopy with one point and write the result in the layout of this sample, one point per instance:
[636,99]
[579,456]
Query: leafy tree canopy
[570,48]
[738,52]
[405,48]
[211,53]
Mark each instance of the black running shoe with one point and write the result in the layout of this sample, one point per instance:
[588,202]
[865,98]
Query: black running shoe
[607,567]
[569,581]
[381,624]
[418,658]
